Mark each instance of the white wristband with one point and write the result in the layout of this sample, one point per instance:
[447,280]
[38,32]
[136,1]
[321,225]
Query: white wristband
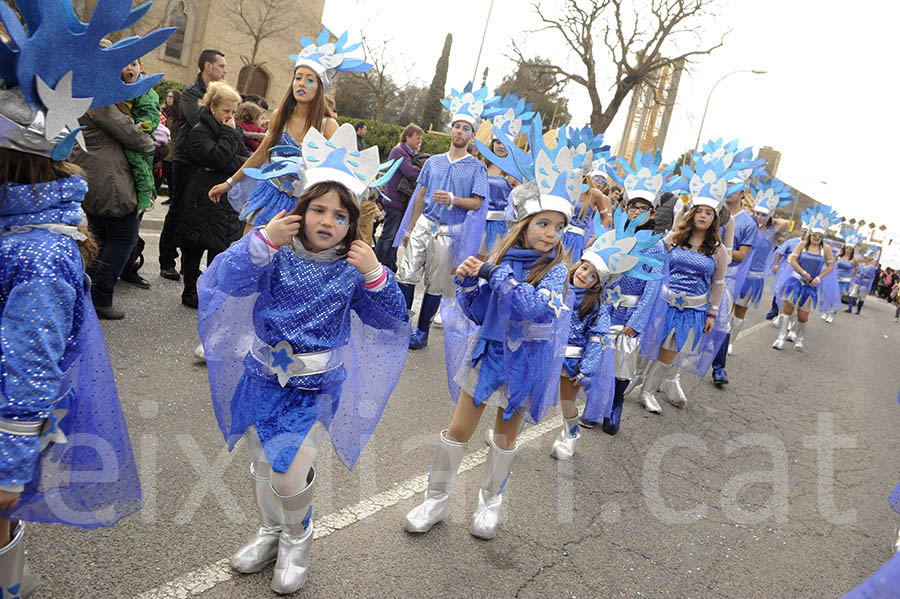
[373,275]
[230,182]
[452,197]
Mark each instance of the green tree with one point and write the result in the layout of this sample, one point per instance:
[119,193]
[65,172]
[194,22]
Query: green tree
[539,87]
[432,113]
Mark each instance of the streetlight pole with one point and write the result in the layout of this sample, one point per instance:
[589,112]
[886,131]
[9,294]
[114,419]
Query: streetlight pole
[481,47]
[706,108]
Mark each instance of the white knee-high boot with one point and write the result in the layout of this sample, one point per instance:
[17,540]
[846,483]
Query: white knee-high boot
[798,335]
[782,332]
[497,470]
[440,482]
[736,325]
[654,378]
[564,446]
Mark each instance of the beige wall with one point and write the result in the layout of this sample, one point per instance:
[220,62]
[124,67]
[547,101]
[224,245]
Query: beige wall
[210,25]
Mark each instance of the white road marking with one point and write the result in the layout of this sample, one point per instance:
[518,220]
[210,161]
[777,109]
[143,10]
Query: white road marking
[203,579]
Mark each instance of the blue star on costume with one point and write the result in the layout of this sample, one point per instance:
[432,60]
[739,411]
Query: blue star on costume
[514,337]
[557,303]
[679,300]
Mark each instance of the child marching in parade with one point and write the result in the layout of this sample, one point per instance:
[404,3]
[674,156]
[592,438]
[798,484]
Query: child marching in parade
[286,315]
[59,406]
[845,267]
[507,330]
[621,252]
[861,286]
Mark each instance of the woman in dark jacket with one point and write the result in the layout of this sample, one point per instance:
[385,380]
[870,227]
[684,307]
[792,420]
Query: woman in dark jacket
[216,150]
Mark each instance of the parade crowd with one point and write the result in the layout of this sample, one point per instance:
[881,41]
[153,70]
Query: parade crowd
[561,275]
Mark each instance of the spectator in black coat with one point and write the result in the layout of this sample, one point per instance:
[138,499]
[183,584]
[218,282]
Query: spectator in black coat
[216,149]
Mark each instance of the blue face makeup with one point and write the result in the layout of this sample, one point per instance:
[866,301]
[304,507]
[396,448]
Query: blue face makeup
[341,221]
[310,83]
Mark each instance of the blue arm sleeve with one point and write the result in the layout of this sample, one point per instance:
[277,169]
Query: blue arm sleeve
[468,291]
[528,302]
[382,309]
[239,273]
[36,322]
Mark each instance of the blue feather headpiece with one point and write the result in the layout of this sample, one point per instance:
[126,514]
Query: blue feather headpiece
[55,70]
[770,194]
[740,163]
[647,179]
[819,217]
[851,237]
[468,105]
[511,115]
[336,159]
[620,251]
[327,58]
[551,178]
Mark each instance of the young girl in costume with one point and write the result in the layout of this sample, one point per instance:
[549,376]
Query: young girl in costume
[845,268]
[809,263]
[688,323]
[286,315]
[769,196]
[861,286]
[58,398]
[590,352]
[302,108]
[505,334]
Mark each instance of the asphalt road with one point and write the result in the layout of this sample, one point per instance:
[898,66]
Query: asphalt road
[736,495]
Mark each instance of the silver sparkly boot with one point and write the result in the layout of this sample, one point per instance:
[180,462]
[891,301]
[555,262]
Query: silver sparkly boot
[15,579]
[440,482]
[564,446]
[655,375]
[262,549]
[671,386]
[490,497]
[292,566]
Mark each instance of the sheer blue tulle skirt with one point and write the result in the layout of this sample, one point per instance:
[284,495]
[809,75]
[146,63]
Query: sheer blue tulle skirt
[799,293]
[264,202]
[494,231]
[753,288]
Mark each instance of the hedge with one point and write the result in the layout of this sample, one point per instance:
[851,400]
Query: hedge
[387,135]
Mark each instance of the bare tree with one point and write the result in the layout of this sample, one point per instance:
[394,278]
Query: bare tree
[636,34]
[259,20]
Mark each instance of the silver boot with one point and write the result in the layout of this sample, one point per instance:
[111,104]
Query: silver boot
[262,549]
[792,328]
[782,332]
[490,497]
[897,543]
[564,446]
[736,325]
[292,567]
[440,482]
[829,317]
[15,579]
[799,328]
[654,378]
[671,386]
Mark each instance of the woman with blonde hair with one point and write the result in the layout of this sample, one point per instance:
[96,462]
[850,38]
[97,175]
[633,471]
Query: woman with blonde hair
[216,149]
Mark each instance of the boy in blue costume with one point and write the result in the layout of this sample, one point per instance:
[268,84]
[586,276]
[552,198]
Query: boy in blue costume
[58,397]
[286,315]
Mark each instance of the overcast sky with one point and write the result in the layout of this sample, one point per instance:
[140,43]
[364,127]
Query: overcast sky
[826,102]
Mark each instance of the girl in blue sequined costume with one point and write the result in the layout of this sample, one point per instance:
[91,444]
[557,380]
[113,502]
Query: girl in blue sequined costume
[584,363]
[810,263]
[844,271]
[499,208]
[286,316]
[861,285]
[686,327]
[302,108]
[505,336]
[65,454]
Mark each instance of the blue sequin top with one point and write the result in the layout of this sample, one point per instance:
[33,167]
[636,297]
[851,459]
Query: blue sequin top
[595,324]
[636,317]
[42,302]
[498,193]
[690,272]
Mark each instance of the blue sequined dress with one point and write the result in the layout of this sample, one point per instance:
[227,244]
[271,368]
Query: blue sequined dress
[693,282]
[78,469]
[505,339]
[794,288]
[263,313]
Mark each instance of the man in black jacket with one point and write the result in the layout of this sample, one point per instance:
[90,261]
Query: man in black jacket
[212,68]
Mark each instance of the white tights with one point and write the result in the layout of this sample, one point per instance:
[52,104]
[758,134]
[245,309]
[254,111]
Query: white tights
[294,480]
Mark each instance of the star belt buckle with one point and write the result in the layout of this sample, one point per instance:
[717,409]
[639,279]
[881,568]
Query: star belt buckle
[680,301]
[434,228]
[50,432]
[608,342]
[280,360]
[615,298]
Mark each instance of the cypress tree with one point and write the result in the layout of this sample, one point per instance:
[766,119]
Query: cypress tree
[431,115]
